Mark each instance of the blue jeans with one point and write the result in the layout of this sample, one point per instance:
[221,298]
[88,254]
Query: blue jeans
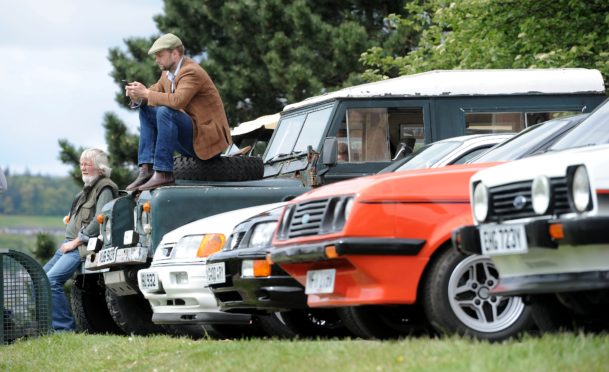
[162,131]
[59,269]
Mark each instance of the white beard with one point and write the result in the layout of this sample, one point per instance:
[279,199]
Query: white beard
[87,179]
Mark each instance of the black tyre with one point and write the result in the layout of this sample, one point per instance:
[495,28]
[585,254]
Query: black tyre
[456,299]
[383,322]
[569,312]
[89,308]
[234,331]
[315,323]
[274,326]
[182,330]
[132,314]
[222,168]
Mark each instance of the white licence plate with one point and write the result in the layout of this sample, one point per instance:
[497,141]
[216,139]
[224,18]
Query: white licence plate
[320,281]
[503,239]
[106,256]
[149,281]
[215,273]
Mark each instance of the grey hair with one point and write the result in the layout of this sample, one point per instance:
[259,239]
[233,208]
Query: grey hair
[99,159]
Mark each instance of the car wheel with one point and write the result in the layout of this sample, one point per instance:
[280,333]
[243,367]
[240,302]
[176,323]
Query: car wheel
[132,314]
[382,322]
[88,302]
[315,323]
[457,299]
[274,326]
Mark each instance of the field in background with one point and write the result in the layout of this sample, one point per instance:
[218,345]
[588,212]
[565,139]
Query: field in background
[559,352]
[19,232]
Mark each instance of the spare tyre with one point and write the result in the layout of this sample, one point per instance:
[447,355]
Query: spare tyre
[221,168]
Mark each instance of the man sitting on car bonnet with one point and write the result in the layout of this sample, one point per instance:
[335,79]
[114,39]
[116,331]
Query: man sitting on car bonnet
[182,112]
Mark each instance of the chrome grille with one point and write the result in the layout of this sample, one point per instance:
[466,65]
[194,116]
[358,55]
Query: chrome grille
[502,200]
[307,218]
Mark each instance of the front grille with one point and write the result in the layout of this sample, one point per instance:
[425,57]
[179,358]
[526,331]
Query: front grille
[503,200]
[307,218]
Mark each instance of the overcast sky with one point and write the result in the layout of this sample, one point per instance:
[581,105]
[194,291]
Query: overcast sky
[54,71]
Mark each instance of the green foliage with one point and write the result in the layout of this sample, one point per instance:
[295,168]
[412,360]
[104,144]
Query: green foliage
[45,247]
[263,54]
[499,34]
[38,195]
[122,150]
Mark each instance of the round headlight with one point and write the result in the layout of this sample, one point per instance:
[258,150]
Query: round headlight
[580,189]
[108,237]
[541,194]
[480,202]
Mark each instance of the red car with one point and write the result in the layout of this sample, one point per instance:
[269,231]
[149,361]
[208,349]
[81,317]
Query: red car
[386,240]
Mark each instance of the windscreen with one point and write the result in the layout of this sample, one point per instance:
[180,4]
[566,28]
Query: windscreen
[592,131]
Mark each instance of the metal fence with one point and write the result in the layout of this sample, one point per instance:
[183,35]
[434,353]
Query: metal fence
[25,297]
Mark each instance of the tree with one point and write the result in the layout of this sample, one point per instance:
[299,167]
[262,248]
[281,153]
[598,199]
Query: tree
[261,55]
[500,34]
[264,54]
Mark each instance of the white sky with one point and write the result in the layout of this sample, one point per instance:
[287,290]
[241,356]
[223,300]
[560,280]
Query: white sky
[54,74]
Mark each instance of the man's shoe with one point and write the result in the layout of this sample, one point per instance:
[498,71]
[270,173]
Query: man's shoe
[158,179]
[144,175]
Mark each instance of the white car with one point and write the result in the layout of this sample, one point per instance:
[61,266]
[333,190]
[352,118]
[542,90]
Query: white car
[543,221]
[176,282]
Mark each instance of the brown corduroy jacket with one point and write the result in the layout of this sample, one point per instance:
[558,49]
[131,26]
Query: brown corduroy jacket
[196,94]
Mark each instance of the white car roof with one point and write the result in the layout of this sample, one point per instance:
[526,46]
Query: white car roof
[473,82]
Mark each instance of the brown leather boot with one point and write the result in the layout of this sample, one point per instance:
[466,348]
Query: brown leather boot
[158,179]
[144,175]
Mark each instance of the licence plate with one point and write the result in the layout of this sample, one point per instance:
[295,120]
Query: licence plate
[215,273]
[320,281]
[106,256]
[503,239]
[149,281]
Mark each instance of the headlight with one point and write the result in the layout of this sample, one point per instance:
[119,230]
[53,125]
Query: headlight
[541,194]
[108,237]
[262,234]
[580,189]
[349,206]
[480,202]
[192,246]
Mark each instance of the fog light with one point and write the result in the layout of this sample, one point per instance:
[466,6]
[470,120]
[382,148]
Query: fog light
[147,229]
[180,277]
[331,251]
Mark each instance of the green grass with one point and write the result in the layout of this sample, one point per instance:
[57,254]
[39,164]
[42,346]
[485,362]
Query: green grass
[45,222]
[77,352]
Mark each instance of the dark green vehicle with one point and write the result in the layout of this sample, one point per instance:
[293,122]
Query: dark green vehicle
[349,133]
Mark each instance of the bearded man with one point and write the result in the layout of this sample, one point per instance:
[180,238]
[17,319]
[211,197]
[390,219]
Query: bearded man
[182,112]
[82,225]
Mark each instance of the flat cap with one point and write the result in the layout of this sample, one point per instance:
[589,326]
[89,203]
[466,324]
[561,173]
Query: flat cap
[167,41]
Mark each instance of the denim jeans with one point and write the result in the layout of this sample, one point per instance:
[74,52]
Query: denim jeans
[59,269]
[162,131]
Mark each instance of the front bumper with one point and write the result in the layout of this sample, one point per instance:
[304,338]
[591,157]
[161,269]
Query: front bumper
[116,257]
[578,261]
[368,271]
[184,298]
[278,292]
[577,231]
[348,246]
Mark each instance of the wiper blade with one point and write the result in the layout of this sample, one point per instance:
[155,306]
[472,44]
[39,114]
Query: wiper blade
[283,156]
[569,148]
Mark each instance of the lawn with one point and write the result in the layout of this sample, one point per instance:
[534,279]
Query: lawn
[77,352]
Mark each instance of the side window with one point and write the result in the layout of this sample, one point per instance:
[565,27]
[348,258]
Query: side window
[505,122]
[376,134]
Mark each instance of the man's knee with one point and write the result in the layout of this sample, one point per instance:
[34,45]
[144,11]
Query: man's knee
[164,113]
